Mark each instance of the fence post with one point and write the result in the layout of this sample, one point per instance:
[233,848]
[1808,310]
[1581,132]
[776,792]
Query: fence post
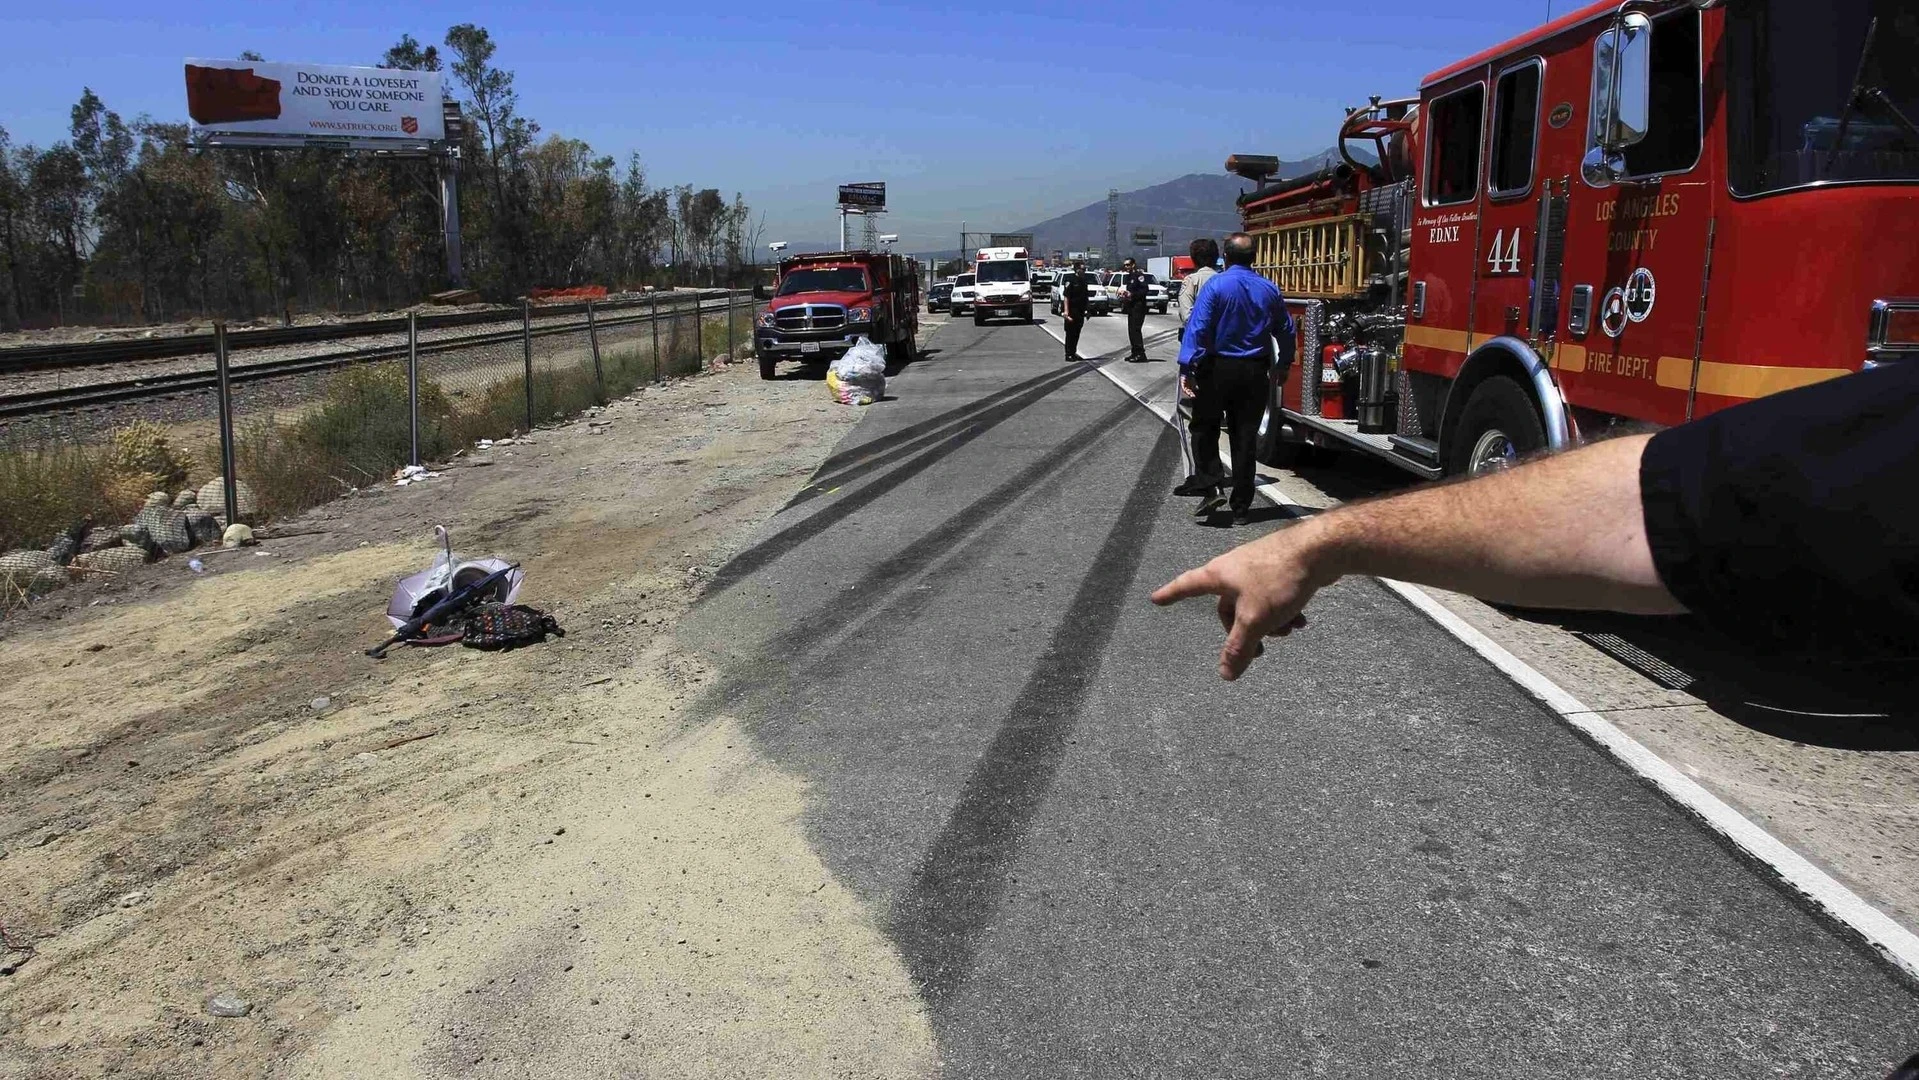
[653,301]
[526,349]
[413,383]
[229,483]
[730,358]
[593,339]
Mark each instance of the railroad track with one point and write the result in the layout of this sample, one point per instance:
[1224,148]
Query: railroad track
[94,353]
[67,399]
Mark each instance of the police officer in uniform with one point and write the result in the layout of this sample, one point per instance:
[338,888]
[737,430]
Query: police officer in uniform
[1133,299]
[1075,291]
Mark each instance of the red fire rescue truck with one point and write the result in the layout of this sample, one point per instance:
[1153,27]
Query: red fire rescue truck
[826,302]
[1636,214]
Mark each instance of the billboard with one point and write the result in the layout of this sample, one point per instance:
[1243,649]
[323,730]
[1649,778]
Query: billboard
[1010,239]
[1145,237]
[246,97]
[863,196]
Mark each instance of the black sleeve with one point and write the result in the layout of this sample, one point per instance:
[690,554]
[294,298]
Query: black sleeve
[1791,523]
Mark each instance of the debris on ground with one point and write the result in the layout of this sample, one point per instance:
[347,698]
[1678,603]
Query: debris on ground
[412,474]
[436,605]
[13,952]
[859,376]
[508,626]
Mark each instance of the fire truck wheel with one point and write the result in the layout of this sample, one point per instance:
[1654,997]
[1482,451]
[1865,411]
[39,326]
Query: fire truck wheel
[1498,428]
[768,366]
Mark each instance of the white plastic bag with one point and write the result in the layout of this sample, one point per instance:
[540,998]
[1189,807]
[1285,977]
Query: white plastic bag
[858,377]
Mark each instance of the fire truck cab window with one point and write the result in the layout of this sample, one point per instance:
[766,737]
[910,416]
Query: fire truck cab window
[1800,76]
[1452,155]
[1515,129]
[1673,132]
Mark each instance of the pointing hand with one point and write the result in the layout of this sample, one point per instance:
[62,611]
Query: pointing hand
[1262,588]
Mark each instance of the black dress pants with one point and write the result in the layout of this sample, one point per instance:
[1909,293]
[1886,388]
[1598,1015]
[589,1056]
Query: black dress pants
[1073,327]
[1233,391]
[1136,319]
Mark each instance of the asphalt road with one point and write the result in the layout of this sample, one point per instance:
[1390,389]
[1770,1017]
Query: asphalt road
[1372,856]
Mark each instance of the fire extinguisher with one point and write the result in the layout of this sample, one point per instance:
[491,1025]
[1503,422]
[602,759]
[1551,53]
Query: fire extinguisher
[1332,396]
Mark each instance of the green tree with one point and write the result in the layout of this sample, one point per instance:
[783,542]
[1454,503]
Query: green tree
[407,55]
[13,223]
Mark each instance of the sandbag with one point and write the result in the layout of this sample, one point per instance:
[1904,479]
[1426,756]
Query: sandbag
[859,376]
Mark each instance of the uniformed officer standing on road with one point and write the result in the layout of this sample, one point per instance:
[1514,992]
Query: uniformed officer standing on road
[1075,290]
[1132,282]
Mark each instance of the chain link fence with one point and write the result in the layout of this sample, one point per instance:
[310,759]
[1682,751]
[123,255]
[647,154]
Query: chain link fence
[147,476]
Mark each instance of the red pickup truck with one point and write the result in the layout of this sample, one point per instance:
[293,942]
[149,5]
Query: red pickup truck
[824,303]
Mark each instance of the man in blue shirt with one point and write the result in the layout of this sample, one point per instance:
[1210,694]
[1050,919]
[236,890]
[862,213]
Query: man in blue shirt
[1238,344]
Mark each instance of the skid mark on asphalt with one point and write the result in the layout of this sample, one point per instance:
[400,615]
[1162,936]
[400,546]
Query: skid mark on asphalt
[873,589]
[938,918]
[771,548]
[849,465]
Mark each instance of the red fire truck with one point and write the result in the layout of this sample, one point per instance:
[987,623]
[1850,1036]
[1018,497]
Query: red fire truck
[826,302]
[1636,214]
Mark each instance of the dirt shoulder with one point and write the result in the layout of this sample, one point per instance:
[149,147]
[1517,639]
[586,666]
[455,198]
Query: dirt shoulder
[526,864]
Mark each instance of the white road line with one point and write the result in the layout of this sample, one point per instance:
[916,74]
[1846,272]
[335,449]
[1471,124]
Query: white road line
[1895,943]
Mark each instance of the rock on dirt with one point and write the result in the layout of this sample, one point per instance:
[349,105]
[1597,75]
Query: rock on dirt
[213,496]
[229,1004]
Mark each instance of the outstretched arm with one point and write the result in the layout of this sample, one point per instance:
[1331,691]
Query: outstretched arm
[1564,532]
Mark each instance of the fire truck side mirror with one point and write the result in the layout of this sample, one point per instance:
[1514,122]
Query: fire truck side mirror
[759,292]
[1632,108]
[1602,168]
[1621,98]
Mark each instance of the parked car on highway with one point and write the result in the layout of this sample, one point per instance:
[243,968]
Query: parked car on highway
[939,297]
[1156,296]
[1042,283]
[1099,300]
[960,300]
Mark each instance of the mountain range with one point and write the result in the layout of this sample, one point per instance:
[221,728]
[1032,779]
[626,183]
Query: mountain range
[1181,211]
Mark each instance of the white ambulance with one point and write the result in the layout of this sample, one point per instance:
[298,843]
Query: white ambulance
[1002,285]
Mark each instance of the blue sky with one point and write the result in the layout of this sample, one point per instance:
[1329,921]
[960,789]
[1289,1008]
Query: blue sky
[957,106]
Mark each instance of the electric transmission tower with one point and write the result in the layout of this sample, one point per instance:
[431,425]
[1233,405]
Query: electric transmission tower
[871,238]
[1112,225]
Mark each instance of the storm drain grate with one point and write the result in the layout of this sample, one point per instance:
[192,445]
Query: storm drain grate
[1639,660]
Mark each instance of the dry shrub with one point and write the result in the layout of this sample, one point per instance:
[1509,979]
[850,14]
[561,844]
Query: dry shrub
[357,436]
[501,410]
[361,430]
[45,489]
[141,449]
